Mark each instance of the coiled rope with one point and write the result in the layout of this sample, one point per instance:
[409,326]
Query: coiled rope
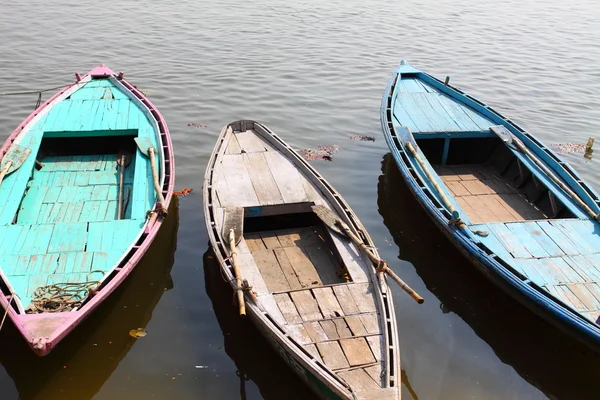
[63,296]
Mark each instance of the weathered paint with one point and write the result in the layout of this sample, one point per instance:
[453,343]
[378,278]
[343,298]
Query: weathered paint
[51,239]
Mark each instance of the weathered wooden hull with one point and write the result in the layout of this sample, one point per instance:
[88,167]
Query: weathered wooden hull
[73,243]
[290,345]
[535,289]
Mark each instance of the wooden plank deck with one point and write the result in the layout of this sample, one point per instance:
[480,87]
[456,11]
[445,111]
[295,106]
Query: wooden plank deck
[425,110]
[55,231]
[562,256]
[293,259]
[484,196]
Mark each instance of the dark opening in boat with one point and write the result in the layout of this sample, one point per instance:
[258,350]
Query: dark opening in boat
[79,143]
[80,176]
[489,182]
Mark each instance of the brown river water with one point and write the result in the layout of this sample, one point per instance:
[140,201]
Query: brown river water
[314,72]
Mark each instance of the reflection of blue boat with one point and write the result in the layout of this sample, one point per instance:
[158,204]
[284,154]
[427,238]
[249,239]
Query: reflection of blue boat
[524,217]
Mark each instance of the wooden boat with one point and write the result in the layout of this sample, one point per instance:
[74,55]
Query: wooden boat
[97,346]
[521,214]
[81,202]
[316,296]
[258,361]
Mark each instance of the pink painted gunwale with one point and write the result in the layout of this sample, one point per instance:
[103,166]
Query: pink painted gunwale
[67,321]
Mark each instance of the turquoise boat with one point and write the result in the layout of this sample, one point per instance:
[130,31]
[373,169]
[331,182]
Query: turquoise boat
[101,342]
[85,183]
[508,202]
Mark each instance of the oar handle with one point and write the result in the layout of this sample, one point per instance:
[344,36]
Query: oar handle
[403,285]
[377,261]
[357,241]
[161,199]
[237,272]
[121,176]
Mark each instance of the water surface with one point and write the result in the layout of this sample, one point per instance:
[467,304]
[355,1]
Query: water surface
[314,72]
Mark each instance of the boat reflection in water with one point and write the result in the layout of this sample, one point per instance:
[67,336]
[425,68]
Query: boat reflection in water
[253,356]
[547,358]
[81,364]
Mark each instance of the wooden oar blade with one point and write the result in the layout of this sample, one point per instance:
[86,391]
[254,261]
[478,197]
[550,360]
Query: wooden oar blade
[144,144]
[328,217]
[233,219]
[17,154]
[405,135]
[504,135]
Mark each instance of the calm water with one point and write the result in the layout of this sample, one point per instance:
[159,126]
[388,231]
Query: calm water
[314,72]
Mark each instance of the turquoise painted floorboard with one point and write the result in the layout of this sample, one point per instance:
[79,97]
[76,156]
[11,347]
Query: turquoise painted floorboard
[59,222]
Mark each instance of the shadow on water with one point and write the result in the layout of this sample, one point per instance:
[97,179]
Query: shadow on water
[82,363]
[547,358]
[253,356]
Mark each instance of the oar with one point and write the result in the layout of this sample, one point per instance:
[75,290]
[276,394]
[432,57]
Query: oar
[233,224]
[331,220]
[515,143]
[122,161]
[13,159]
[147,148]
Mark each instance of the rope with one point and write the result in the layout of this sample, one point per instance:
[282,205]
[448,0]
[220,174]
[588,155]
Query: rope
[12,296]
[32,91]
[63,296]
[244,287]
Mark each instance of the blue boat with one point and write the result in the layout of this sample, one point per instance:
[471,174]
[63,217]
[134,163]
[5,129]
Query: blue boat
[521,214]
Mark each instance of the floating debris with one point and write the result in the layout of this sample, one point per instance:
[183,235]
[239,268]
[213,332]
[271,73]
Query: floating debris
[363,138]
[568,147]
[201,366]
[195,125]
[588,148]
[137,333]
[565,148]
[321,153]
[183,193]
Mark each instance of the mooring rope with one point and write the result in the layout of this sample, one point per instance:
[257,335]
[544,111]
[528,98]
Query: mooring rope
[31,91]
[62,296]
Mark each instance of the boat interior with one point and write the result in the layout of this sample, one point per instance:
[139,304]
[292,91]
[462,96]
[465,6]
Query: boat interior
[313,284]
[540,234]
[59,221]
[489,182]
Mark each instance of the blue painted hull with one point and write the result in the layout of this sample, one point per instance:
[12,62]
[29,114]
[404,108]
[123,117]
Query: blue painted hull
[496,268]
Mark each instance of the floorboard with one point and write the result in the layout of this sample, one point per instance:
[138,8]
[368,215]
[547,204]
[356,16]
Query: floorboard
[484,196]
